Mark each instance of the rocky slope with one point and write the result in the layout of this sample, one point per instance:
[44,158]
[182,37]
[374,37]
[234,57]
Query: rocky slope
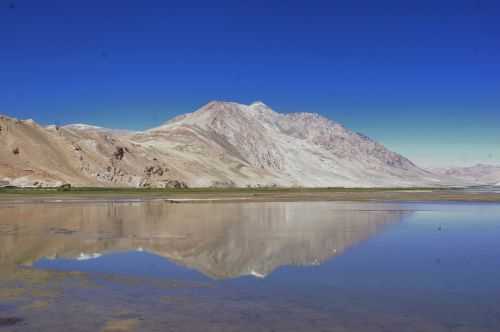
[221,144]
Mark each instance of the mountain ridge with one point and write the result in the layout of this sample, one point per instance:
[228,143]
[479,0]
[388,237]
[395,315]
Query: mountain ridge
[478,174]
[220,144]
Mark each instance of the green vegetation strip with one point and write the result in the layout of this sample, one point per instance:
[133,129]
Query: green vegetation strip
[104,190]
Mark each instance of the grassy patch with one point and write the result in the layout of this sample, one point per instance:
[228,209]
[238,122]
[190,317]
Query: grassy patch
[126,190]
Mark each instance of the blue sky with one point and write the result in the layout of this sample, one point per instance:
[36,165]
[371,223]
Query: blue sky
[422,77]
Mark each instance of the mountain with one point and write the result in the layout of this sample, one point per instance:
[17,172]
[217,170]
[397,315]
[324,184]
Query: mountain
[479,174]
[221,144]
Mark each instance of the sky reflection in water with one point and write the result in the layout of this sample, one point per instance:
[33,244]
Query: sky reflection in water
[398,262]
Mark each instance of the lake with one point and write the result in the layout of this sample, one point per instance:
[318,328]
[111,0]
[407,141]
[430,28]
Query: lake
[288,266]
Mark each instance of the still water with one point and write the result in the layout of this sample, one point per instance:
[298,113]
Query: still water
[302,266]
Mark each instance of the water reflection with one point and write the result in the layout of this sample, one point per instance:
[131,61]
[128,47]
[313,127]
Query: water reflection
[415,267]
[219,240]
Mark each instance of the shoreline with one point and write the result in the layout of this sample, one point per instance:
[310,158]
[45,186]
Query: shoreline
[26,196]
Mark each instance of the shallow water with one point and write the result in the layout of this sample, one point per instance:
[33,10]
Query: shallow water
[482,190]
[303,266]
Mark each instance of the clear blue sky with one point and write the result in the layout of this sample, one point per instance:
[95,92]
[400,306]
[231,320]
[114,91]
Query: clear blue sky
[422,77]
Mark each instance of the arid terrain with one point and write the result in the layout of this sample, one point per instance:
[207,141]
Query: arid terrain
[222,144]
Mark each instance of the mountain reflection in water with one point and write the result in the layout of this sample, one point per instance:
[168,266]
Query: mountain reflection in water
[224,240]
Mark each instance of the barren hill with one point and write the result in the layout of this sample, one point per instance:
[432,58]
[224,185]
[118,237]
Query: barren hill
[221,144]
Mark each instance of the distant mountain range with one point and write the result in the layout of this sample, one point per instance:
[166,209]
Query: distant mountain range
[223,144]
[479,174]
